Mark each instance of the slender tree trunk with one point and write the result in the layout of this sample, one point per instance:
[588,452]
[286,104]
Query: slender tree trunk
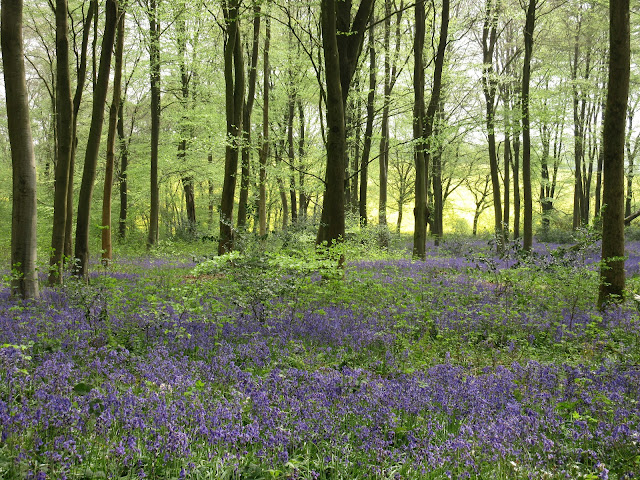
[81,77]
[368,131]
[107,249]
[526,134]
[64,143]
[515,165]
[124,165]
[432,110]
[291,105]
[154,81]
[612,275]
[420,210]
[93,143]
[383,157]
[234,99]
[185,80]
[630,166]
[211,201]
[246,122]
[24,206]
[264,151]
[303,200]
[489,38]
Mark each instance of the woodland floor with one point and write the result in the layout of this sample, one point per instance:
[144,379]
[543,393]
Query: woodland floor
[272,364]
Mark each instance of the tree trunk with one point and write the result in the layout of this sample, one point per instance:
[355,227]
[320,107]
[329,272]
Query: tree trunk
[107,250]
[489,38]
[341,58]
[81,76]
[420,210]
[81,266]
[432,109]
[302,198]
[264,151]
[124,165]
[631,153]
[515,164]
[234,99]
[64,143]
[185,87]
[526,133]
[246,122]
[332,221]
[154,82]
[612,275]
[291,105]
[368,131]
[24,205]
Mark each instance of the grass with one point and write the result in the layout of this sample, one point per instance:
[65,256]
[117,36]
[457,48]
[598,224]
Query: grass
[271,364]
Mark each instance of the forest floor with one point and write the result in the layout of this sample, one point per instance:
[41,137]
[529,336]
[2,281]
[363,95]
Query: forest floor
[273,364]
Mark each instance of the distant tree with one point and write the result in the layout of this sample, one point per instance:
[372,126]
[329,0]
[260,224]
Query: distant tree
[612,275]
[24,209]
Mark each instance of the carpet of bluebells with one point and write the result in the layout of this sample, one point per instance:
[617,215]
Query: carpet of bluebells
[466,365]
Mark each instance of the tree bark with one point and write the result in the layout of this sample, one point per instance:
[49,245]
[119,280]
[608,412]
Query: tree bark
[246,122]
[124,165]
[612,275]
[185,87]
[107,249]
[489,38]
[24,281]
[368,131]
[342,42]
[420,210]
[264,151]
[432,109]
[154,83]
[81,266]
[527,240]
[81,77]
[64,143]
[234,99]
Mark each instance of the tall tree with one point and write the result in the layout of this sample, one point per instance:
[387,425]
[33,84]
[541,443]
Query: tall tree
[390,77]
[247,109]
[64,129]
[526,128]
[420,210]
[342,43]
[185,87]
[429,126]
[234,99]
[81,252]
[23,161]
[107,249]
[264,150]
[81,77]
[368,130]
[612,275]
[154,81]
[489,86]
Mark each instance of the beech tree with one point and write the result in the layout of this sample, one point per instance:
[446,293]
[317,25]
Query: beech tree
[64,129]
[24,212]
[612,275]
[81,252]
[342,43]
